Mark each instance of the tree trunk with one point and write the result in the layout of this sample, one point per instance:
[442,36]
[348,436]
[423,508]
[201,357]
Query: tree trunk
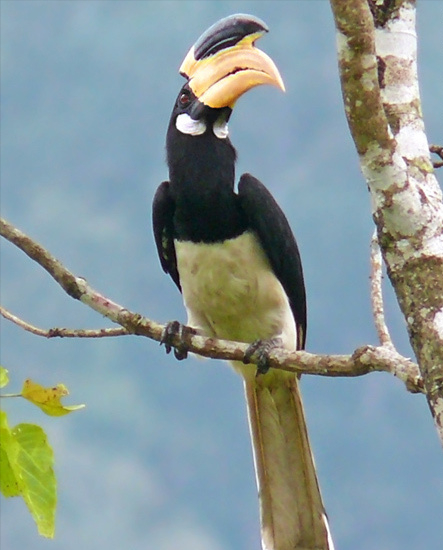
[377,52]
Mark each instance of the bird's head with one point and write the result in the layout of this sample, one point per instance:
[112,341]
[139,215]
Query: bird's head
[221,66]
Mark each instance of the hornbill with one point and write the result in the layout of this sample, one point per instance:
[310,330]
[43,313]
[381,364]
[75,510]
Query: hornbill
[233,256]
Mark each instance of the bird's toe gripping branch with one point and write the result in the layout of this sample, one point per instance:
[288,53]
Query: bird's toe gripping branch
[172,332]
[261,349]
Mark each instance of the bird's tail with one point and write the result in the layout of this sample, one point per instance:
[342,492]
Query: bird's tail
[291,507]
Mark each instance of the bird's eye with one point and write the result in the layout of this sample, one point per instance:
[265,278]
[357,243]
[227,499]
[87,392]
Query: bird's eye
[184,99]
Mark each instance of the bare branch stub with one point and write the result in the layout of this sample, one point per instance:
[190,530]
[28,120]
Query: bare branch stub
[438,150]
[384,10]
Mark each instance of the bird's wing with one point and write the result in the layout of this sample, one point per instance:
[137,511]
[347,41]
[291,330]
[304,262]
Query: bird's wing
[162,220]
[266,219]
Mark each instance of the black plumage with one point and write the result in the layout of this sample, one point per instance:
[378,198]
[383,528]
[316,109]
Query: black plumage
[199,204]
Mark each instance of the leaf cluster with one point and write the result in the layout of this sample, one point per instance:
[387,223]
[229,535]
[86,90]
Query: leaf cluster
[26,457]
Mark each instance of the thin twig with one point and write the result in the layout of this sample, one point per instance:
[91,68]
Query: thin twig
[377,294]
[62,332]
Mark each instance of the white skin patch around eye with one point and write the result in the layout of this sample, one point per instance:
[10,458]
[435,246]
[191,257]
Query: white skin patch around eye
[187,125]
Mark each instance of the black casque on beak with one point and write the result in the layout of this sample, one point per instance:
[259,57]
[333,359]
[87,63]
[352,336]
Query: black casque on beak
[226,33]
[224,63]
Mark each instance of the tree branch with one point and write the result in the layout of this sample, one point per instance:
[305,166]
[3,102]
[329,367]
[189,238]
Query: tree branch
[62,332]
[377,294]
[364,360]
[377,50]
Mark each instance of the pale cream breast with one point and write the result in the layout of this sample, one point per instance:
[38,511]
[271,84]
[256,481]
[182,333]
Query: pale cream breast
[230,291]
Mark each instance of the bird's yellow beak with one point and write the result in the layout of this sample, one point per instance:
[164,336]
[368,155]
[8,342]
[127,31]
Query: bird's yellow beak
[224,63]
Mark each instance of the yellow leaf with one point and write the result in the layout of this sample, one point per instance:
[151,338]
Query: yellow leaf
[48,399]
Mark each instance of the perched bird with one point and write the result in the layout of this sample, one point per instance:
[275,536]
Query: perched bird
[233,256]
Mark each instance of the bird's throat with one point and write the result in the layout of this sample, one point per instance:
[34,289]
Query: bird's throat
[201,173]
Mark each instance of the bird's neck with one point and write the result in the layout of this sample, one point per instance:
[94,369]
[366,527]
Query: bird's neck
[201,173]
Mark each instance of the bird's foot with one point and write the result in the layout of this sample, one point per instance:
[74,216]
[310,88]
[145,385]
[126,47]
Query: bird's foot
[261,349]
[172,330]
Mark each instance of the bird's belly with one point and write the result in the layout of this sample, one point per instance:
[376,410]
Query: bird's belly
[230,291]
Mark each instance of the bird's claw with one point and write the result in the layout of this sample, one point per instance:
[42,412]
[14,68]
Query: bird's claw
[261,348]
[172,330]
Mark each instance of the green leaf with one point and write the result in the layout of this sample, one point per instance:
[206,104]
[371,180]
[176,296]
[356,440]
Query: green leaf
[9,484]
[34,468]
[4,378]
[26,468]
